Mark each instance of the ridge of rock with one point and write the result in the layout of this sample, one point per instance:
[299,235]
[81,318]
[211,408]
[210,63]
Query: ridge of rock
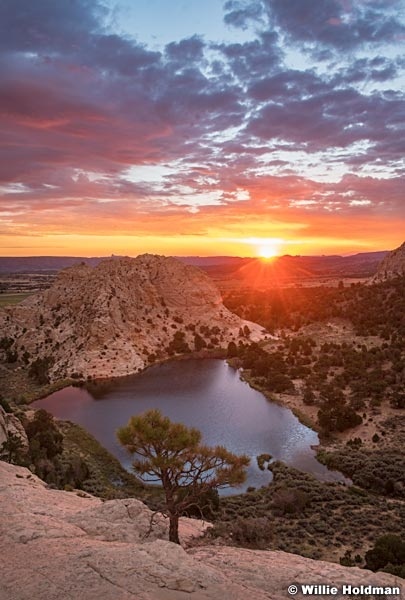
[56,544]
[392,265]
[121,315]
[11,426]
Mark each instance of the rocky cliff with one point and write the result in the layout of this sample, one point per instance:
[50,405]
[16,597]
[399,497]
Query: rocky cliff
[11,427]
[392,265]
[120,316]
[56,545]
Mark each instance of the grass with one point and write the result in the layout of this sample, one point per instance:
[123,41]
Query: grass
[11,299]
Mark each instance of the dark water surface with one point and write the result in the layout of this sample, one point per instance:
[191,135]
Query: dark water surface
[207,394]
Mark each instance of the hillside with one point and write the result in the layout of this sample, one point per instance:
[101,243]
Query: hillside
[58,544]
[117,317]
[304,269]
[393,265]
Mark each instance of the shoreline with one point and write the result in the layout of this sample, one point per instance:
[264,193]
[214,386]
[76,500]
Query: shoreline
[288,401]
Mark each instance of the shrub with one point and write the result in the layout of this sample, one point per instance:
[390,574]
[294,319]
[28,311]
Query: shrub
[5,405]
[254,532]
[289,500]
[388,551]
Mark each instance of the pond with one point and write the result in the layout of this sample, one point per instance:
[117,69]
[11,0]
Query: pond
[203,393]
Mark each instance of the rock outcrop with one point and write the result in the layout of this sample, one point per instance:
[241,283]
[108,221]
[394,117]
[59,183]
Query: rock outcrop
[10,425]
[56,545]
[393,265]
[120,316]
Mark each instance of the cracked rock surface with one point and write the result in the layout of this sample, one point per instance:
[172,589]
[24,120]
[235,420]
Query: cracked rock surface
[56,545]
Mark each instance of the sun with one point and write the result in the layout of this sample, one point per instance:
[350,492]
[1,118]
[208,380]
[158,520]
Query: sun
[268,249]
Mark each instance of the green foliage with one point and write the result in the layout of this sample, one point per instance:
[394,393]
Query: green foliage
[251,532]
[289,500]
[369,374]
[6,343]
[11,356]
[331,519]
[347,560]
[397,399]
[388,554]
[381,471]
[199,342]
[232,351]
[94,469]
[271,368]
[12,450]
[178,345]
[262,459]
[39,369]
[44,437]
[76,472]
[354,443]
[205,507]
[338,418]
[308,397]
[172,454]
[5,405]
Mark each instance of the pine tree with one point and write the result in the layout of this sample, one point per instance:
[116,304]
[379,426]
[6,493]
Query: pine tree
[172,454]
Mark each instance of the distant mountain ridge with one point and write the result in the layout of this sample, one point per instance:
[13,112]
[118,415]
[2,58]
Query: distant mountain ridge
[17,264]
[299,268]
[20,264]
[366,261]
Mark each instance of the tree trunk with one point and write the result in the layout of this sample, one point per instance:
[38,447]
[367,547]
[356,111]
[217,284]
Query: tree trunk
[174,529]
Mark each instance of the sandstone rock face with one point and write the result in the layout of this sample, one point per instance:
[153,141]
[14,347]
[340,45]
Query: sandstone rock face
[120,316]
[56,545]
[11,425]
[392,265]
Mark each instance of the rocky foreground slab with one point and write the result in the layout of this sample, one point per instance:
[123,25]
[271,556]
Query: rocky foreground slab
[58,545]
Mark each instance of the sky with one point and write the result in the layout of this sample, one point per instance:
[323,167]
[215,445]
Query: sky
[237,127]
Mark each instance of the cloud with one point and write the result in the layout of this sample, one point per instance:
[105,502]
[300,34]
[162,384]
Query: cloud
[46,25]
[239,134]
[335,23]
[239,13]
[186,51]
[255,58]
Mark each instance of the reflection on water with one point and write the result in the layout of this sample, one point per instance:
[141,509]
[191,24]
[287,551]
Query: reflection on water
[207,394]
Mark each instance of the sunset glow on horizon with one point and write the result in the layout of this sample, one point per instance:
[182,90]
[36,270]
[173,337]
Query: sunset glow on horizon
[240,127]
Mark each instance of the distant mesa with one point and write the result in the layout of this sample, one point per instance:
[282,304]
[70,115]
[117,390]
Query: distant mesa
[121,315]
[393,265]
